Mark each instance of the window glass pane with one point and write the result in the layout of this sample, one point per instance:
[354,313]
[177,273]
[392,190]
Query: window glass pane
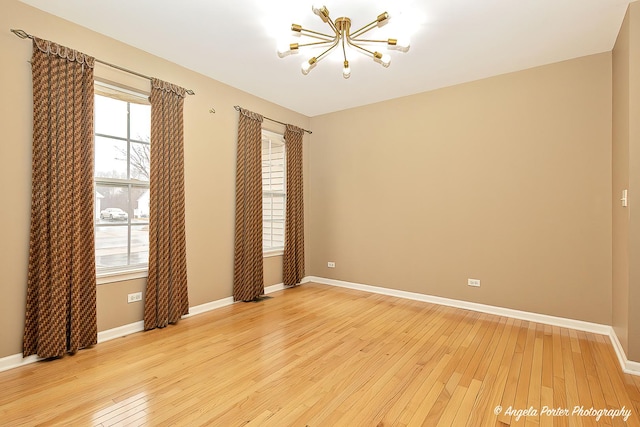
[140,122]
[140,161]
[273,188]
[278,206]
[140,204]
[273,234]
[110,158]
[273,207]
[139,244]
[110,116]
[278,233]
[112,204]
[111,246]
[121,181]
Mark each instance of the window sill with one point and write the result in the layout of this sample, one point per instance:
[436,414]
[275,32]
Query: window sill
[277,252]
[122,275]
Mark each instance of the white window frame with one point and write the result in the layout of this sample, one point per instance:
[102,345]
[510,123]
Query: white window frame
[273,137]
[131,271]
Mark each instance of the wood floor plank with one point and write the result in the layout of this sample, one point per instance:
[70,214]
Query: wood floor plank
[511,385]
[569,370]
[488,376]
[497,382]
[535,382]
[595,387]
[559,386]
[316,355]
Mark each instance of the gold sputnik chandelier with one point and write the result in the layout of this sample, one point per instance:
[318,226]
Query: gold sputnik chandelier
[342,37]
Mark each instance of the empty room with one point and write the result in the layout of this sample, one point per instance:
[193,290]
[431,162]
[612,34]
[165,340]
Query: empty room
[291,213]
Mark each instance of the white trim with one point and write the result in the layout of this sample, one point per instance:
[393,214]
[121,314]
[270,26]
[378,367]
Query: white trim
[119,276]
[15,361]
[272,252]
[203,308]
[631,367]
[274,288]
[466,305]
[138,94]
[628,367]
[120,331]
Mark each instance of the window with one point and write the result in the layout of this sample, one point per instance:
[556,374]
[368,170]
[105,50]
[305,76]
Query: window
[273,191]
[121,175]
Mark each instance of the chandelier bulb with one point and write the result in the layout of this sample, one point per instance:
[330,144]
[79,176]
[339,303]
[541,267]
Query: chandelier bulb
[321,11]
[401,44]
[286,49]
[384,60]
[341,28]
[346,71]
[308,65]
[382,19]
[283,50]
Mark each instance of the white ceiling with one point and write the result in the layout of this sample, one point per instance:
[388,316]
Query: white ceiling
[452,41]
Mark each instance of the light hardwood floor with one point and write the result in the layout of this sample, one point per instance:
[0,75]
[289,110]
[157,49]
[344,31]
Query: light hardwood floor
[322,356]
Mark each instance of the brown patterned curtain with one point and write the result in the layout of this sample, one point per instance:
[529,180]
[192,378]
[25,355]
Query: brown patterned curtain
[61,284]
[293,260]
[248,283]
[166,296]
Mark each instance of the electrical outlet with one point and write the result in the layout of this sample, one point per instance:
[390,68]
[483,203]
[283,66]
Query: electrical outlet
[135,297]
[473,282]
[331,264]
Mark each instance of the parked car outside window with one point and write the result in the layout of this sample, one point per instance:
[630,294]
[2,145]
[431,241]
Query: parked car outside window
[114,214]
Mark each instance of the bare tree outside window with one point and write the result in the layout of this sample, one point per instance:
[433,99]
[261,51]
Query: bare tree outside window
[122,172]
[139,160]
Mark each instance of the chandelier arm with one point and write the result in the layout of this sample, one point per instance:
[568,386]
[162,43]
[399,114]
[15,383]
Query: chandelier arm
[341,28]
[360,47]
[344,50]
[360,31]
[333,26]
[319,57]
[369,41]
[315,43]
[317,35]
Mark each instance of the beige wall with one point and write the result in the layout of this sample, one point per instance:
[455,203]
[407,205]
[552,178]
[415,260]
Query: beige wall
[634,181]
[506,180]
[620,181]
[626,174]
[210,144]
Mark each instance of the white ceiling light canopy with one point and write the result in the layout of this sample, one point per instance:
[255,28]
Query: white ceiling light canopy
[342,37]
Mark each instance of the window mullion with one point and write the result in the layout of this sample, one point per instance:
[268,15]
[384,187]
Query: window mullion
[114,258]
[129,185]
[274,190]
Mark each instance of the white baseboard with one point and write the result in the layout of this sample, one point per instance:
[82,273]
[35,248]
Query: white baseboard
[120,331]
[16,360]
[274,288]
[203,308]
[627,366]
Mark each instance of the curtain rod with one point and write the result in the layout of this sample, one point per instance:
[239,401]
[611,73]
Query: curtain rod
[24,35]
[237,107]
